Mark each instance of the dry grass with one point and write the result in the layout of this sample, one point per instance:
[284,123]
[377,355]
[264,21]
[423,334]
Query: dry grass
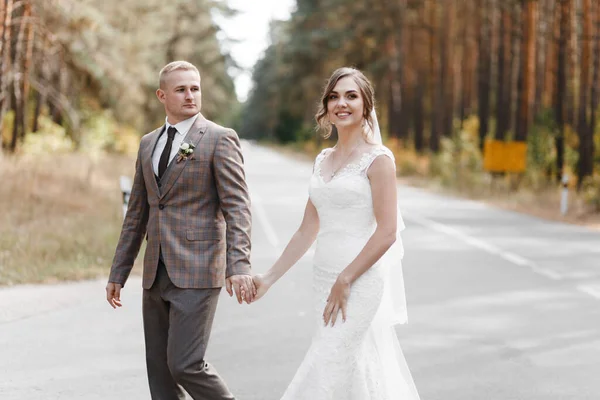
[62,216]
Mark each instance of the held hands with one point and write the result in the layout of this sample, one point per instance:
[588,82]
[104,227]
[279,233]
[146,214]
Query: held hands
[113,294]
[262,285]
[337,301]
[243,286]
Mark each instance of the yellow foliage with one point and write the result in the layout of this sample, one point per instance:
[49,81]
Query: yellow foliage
[471,127]
[51,139]
[127,141]
[408,161]
[591,191]
[7,127]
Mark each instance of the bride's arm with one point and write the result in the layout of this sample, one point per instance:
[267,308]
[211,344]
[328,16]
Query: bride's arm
[295,249]
[382,176]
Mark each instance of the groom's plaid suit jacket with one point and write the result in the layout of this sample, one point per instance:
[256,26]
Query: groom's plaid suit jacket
[199,217]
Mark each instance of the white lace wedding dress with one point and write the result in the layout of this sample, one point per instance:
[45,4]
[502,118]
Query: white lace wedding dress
[359,359]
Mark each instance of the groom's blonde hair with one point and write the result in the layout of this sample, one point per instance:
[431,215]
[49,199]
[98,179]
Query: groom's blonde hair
[175,66]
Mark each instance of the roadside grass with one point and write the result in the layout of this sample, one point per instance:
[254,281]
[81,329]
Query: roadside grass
[61,216]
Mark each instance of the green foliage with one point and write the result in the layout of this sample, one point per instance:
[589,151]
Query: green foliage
[591,191]
[459,163]
[112,51]
[305,50]
[541,151]
[288,127]
[101,133]
[6,128]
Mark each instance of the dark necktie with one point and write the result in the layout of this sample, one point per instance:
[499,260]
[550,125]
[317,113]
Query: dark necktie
[166,153]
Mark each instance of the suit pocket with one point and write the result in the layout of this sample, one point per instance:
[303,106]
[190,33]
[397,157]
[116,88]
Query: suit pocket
[197,236]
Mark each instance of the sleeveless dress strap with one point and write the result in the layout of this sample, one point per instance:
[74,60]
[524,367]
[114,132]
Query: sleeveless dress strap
[369,157]
[319,159]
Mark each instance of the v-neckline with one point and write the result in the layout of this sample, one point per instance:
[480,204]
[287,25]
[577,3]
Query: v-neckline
[343,168]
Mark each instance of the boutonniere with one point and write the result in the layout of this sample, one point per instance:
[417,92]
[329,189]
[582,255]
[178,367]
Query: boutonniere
[185,151]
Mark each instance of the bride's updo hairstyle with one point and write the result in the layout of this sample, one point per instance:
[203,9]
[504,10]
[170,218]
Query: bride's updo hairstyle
[366,91]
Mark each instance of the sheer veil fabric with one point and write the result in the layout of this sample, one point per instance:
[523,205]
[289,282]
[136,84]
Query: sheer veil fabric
[393,308]
[392,311]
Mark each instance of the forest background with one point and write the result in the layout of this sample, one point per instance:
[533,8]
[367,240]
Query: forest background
[77,82]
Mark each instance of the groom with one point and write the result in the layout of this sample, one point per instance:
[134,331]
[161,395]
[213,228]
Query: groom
[193,208]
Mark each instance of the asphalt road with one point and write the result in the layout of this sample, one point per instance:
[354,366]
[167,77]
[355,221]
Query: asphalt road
[502,306]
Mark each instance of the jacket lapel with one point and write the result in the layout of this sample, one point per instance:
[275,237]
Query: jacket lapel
[147,160]
[175,168]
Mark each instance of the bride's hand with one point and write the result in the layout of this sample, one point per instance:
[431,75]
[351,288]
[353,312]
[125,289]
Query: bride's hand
[262,285]
[337,301]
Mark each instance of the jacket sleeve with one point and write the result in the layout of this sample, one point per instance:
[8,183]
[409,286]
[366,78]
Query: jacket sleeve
[134,228]
[234,202]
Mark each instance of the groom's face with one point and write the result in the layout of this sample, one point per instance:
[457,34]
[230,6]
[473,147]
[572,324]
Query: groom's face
[180,93]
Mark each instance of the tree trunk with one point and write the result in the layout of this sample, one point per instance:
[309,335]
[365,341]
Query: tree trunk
[447,70]
[421,86]
[586,167]
[41,97]
[543,27]
[504,42]
[527,71]
[406,89]
[19,97]
[513,71]
[406,113]
[572,64]
[394,49]
[17,116]
[465,67]
[484,69]
[5,58]
[27,61]
[550,75]
[39,101]
[434,140]
[561,85]
[419,114]
[441,86]
[584,90]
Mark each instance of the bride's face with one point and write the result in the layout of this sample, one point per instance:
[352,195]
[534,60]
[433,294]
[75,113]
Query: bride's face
[345,105]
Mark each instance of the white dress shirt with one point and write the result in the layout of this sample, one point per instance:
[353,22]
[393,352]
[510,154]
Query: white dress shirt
[182,129]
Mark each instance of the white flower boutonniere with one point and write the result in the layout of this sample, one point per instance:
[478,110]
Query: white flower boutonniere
[185,151]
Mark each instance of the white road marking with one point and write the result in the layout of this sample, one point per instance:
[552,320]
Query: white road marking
[261,213]
[592,290]
[480,244]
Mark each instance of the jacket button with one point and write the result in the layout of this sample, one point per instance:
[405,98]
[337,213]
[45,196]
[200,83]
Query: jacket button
[161,206]
[159,184]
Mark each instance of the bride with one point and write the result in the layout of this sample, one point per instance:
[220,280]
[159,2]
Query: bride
[358,289]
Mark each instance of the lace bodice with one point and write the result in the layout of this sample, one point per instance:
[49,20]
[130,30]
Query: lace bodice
[344,203]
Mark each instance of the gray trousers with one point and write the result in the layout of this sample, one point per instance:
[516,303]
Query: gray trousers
[177,325]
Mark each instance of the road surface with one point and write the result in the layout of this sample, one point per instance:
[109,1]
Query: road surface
[502,306]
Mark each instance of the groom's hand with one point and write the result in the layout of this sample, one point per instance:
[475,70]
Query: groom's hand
[243,287]
[113,294]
